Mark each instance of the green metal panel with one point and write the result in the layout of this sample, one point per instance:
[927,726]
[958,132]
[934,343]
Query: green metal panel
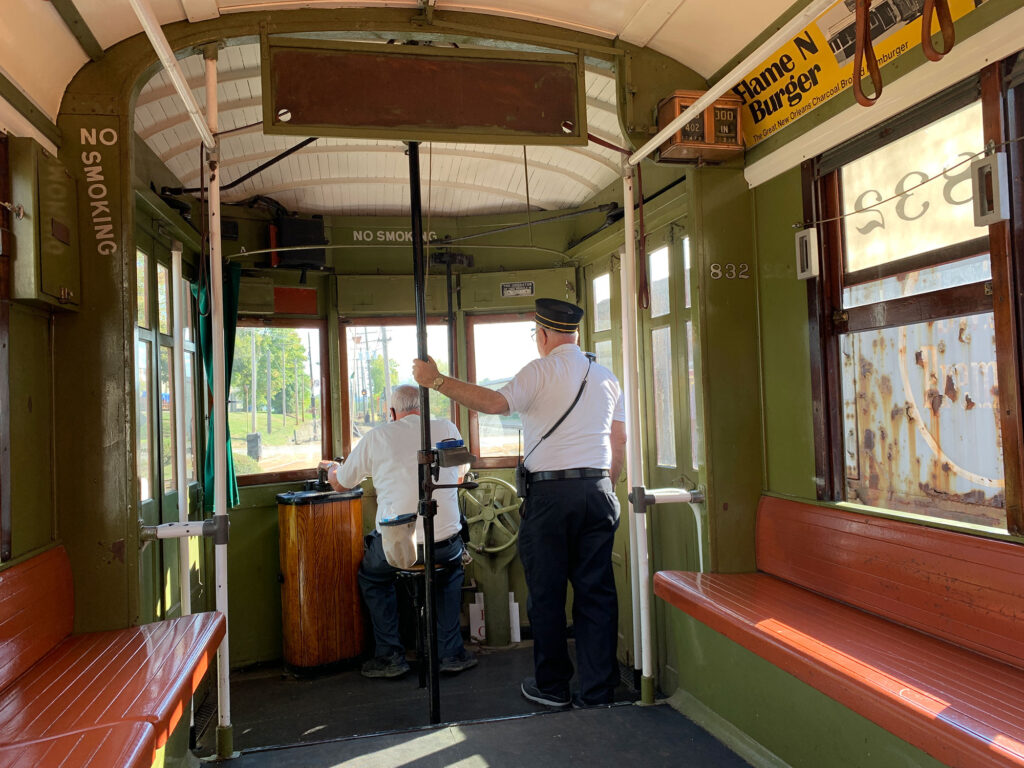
[45,267]
[789,718]
[725,266]
[32,429]
[500,291]
[785,356]
[387,295]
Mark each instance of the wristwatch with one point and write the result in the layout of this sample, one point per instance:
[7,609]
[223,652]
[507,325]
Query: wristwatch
[437,382]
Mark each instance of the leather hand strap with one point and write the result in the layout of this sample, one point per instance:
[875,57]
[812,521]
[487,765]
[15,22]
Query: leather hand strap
[938,8]
[865,51]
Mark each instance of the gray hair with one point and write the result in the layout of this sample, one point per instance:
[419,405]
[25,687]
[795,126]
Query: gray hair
[405,398]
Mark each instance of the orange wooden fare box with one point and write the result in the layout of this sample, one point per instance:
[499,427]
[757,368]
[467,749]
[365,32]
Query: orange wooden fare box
[713,137]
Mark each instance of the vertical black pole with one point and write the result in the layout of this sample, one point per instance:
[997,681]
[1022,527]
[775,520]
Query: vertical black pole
[428,507]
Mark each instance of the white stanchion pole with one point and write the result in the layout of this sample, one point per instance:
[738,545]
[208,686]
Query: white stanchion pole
[634,437]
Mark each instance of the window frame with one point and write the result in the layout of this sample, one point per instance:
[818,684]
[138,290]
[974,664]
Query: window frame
[829,320]
[380,320]
[486,462]
[326,439]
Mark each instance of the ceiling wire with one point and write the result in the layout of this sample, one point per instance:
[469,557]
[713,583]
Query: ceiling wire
[526,179]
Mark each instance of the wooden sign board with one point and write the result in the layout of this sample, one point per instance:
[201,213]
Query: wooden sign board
[414,93]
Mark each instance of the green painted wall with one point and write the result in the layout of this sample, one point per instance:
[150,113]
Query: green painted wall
[785,353]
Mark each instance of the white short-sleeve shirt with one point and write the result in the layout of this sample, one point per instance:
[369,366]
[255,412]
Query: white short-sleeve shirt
[388,455]
[543,390]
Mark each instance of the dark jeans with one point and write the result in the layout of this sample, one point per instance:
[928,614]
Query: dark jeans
[568,527]
[377,582]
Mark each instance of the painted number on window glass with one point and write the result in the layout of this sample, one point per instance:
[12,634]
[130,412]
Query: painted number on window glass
[730,271]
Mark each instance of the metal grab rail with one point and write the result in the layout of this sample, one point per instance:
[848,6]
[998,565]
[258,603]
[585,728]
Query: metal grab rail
[641,498]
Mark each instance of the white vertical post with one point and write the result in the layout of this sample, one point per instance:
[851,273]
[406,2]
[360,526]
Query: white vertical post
[634,436]
[225,747]
[184,576]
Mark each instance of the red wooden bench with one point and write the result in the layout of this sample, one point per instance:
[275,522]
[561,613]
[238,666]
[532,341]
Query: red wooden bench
[130,745]
[116,691]
[917,629]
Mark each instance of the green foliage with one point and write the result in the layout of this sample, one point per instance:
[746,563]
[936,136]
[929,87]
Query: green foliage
[283,351]
[244,465]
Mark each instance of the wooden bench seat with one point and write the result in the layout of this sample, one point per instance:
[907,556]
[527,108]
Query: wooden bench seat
[53,683]
[130,745]
[916,629]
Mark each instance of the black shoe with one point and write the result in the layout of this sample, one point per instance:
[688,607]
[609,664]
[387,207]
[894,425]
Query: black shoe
[533,693]
[394,665]
[452,665]
[578,703]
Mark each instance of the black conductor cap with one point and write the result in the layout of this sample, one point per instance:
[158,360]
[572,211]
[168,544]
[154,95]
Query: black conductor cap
[559,316]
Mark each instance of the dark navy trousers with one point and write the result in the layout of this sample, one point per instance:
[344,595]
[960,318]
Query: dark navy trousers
[568,527]
[377,583]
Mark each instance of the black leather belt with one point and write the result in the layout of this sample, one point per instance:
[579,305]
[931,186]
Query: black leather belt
[450,540]
[567,474]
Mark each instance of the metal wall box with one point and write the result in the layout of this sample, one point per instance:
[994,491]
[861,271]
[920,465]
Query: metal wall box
[45,268]
[330,88]
[256,296]
[713,137]
[516,291]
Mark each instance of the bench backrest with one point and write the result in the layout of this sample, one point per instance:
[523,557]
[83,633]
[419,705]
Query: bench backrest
[965,589]
[37,611]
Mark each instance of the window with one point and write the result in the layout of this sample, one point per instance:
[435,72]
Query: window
[907,301]
[499,346]
[372,347]
[277,411]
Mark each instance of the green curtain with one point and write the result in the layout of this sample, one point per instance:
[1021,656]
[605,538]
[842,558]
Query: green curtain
[232,278]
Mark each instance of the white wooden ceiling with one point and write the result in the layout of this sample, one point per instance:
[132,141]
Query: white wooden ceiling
[370,177]
[39,54]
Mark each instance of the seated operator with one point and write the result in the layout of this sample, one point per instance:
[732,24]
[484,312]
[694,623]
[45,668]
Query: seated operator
[388,454]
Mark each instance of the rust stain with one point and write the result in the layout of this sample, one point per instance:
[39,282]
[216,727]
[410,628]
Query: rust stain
[964,335]
[934,398]
[968,402]
[952,391]
[919,358]
[869,440]
[117,549]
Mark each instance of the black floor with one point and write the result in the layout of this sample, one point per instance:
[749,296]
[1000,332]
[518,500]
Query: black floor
[342,720]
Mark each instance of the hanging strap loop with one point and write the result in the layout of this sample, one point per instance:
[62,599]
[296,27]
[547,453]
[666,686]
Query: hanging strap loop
[939,8]
[865,51]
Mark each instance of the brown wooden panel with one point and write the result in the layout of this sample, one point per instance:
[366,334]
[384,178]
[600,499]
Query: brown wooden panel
[962,708]
[970,299]
[412,91]
[124,745]
[321,549]
[145,673]
[37,611]
[965,589]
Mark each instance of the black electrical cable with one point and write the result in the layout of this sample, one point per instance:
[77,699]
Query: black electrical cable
[245,177]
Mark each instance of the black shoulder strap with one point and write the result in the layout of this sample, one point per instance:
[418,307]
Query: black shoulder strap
[579,394]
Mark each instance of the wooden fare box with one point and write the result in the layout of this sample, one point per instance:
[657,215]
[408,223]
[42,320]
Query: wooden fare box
[712,137]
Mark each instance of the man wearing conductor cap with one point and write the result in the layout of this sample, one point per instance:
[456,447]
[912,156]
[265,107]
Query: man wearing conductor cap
[574,440]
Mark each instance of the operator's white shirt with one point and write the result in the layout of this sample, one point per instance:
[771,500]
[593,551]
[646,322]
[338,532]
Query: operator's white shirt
[388,455]
[544,389]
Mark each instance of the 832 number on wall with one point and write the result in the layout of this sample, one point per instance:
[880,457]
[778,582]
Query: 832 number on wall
[730,271]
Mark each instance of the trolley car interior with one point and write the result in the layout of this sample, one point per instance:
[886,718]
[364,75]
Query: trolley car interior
[227,228]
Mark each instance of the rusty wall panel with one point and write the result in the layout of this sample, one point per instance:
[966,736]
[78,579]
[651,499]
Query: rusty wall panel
[921,413]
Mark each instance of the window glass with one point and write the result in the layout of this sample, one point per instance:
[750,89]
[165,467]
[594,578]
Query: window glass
[603,350]
[186,312]
[664,410]
[372,349]
[143,427]
[686,271]
[602,303]
[916,282]
[500,350]
[167,427]
[142,289]
[658,262]
[163,298]
[190,418]
[691,387]
[275,405]
[920,220]
[920,406]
